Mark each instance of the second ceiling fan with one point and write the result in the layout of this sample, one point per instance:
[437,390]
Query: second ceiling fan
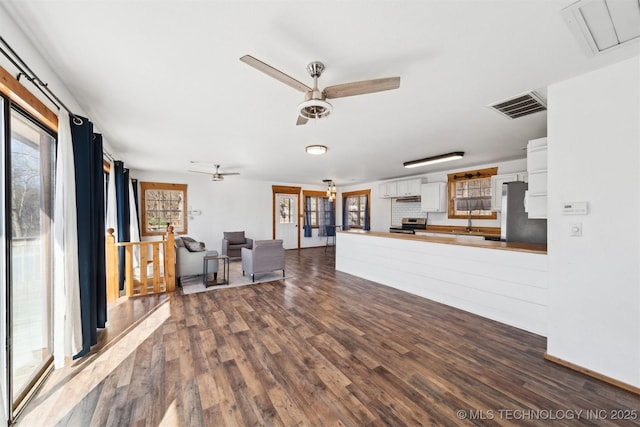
[315,105]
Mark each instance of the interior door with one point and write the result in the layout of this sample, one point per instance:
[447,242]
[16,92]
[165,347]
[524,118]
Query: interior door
[286,216]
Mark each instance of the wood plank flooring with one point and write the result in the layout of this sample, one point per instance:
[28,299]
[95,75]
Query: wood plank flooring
[323,349]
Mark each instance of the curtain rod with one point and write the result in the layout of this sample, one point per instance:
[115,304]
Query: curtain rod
[108,155]
[33,78]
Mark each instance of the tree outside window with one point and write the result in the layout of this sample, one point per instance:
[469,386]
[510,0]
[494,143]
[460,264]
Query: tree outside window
[163,204]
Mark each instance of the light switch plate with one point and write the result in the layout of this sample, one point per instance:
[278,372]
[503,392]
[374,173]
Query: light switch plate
[575,229]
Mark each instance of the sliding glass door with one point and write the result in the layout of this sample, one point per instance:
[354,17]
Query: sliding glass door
[29,168]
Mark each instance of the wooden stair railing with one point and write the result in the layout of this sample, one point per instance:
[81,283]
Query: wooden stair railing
[162,280]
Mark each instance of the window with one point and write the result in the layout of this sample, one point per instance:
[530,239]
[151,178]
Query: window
[357,209]
[163,205]
[286,211]
[470,194]
[317,208]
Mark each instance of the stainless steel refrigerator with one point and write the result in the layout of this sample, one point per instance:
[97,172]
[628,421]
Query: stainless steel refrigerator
[515,224]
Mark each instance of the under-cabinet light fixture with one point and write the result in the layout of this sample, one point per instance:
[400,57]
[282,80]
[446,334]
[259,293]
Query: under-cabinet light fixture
[434,159]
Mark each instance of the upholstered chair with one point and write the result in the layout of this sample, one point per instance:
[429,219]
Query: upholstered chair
[190,256]
[233,242]
[265,256]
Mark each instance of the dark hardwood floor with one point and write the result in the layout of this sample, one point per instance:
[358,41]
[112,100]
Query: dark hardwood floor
[323,349]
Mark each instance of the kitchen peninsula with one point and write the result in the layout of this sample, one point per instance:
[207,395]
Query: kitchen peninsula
[503,281]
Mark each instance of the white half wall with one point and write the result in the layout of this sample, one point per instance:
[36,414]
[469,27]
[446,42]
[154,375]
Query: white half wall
[506,286]
[594,156]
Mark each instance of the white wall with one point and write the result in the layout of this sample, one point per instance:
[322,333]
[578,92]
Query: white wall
[381,208]
[594,156]
[234,204]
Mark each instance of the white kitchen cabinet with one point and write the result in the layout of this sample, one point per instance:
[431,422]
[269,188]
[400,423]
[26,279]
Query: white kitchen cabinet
[535,205]
[409,187]
[434,197]
[536,198]
[388,190]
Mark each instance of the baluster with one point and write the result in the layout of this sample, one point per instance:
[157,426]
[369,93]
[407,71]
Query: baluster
[129,270]
[113,291]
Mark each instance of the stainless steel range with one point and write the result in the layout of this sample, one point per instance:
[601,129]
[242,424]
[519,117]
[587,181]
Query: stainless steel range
[410,225]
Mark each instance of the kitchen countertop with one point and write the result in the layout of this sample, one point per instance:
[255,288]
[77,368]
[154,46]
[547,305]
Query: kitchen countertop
[459,240]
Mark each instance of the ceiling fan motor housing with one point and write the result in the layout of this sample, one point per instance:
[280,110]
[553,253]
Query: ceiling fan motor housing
[315,69]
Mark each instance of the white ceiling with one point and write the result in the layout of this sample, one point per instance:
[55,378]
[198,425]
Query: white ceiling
[163,82]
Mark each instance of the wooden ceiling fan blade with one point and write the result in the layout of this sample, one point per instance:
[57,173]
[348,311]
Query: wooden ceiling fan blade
[301,120]
[275,73]
[361,88]
[229,173]
[208,173]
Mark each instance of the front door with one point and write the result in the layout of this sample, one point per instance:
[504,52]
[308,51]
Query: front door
[286,218]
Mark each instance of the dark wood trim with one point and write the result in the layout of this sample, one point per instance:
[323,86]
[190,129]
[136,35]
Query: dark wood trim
[366,192]
[468,176]
[283,189]
[314,193]
[17,93]
[144,186]
[594,374]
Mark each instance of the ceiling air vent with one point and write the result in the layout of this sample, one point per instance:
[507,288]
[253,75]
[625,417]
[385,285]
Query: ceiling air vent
[519,106]
[600,25]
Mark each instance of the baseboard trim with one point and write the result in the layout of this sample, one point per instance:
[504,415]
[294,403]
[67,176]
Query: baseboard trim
[589,372]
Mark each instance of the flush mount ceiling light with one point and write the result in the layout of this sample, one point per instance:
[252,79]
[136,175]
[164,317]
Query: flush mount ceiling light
[316,150]
[599,25]
[435,159]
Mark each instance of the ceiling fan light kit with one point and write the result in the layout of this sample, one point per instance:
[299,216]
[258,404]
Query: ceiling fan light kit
[434,159]
[316,150]
[314,109]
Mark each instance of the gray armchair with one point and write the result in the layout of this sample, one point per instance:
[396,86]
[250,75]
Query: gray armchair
[264,257]
[190,256]
[233,242]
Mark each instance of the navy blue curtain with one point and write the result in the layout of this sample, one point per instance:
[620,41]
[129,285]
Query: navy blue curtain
[331,227]
[367,221]
[122,203]
[87,152]
[345,214]
[307,217]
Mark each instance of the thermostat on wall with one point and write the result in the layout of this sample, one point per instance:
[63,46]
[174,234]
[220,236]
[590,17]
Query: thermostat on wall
[574,208]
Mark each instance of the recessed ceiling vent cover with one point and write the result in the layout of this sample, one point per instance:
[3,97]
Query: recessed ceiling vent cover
[521,105]
[600,25]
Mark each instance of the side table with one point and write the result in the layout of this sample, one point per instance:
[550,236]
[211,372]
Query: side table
[205,270]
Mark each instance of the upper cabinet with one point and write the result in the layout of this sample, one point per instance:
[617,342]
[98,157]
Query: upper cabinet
[405,188]
[409,187]
[434,197]
[536,196]
[496,187]
[388,190]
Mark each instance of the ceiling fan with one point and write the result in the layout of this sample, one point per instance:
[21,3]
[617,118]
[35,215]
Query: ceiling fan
[217,175]
[315,105]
